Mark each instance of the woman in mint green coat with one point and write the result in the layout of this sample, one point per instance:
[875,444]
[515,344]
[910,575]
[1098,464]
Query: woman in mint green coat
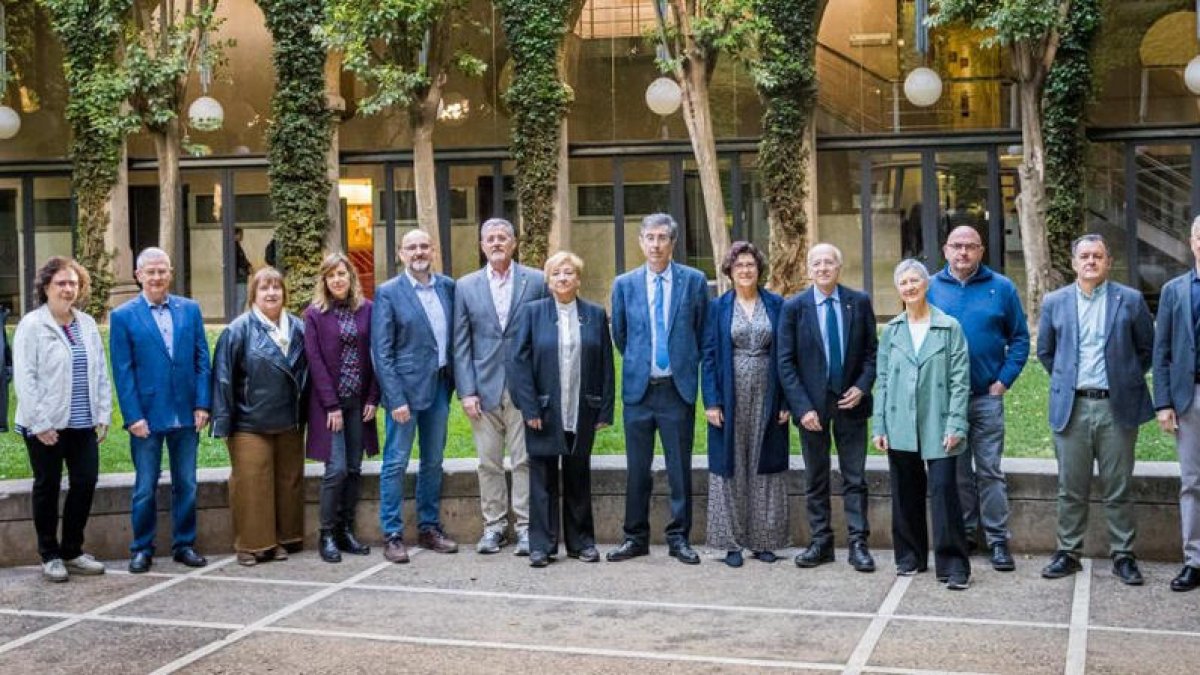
[921,416]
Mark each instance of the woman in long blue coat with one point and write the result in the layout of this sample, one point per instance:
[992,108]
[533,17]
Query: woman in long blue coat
[747,415]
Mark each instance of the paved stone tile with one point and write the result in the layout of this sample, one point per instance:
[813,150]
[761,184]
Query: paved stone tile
[24,588]
[1112,653]
[1153,605]
[305,566]
[302,653]
[654,578]
[13,627]
[95,648]
[215,601]
[1021,595]
[974,648]
[603,626]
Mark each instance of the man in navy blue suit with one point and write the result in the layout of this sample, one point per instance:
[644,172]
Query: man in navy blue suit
[413,350]
[658,314]
[826,355]
[161,368]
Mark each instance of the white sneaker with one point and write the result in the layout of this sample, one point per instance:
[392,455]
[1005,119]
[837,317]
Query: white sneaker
[54,570]
[85,564]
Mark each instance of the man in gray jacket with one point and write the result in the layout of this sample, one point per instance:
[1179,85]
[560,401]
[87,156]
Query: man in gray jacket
[485,304]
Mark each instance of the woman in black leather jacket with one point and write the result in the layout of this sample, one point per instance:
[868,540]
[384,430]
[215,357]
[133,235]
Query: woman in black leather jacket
[260,379]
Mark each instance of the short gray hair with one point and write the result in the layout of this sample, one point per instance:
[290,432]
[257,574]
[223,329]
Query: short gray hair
[837,252]
[150,254]
[661,220]
[1196,227]
[497,222]
[909,265]
[1092,238]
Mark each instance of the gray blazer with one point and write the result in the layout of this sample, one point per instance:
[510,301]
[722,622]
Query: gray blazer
[480,348]
[1127,353]
[1175,346]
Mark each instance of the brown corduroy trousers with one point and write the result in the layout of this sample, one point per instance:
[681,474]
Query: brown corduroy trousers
[266,489]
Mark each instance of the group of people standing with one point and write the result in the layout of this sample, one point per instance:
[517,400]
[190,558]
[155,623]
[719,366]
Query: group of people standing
[532,364]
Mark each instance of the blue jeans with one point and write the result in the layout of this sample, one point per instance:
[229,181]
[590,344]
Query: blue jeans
[397,448]
[147,462]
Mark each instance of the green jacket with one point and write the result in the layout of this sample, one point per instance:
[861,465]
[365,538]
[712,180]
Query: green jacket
[919,398]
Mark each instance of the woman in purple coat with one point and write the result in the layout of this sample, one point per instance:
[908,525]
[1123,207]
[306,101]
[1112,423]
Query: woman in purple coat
[341,409]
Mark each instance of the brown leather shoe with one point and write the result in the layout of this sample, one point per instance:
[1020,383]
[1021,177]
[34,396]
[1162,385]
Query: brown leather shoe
[395,551]
[437,541]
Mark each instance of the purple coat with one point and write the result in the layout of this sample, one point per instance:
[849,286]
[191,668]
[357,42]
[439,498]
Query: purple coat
[324,352]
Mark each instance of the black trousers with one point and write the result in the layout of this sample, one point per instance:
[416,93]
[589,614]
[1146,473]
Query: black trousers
[560,496]
[78,449]
[341,484]
[910,530]
[661,409]
[850,434]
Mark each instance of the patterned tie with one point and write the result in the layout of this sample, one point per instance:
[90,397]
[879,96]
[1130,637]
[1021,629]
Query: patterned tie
[661,359]
[835,347]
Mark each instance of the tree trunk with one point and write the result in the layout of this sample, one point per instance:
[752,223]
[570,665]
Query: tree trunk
[423,118]
[1031,203]
[698,117]
[791,238]
[116,237]
[335,236]
[560,229]
[166,148]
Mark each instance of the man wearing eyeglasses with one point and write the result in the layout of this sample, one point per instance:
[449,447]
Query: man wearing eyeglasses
[987,306]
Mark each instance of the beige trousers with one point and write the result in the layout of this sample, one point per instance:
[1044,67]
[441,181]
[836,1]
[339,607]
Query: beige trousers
[266,489]
[495,430]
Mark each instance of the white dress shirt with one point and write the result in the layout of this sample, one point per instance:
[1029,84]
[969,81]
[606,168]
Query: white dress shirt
[502,290]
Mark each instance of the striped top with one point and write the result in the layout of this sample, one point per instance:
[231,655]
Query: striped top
[81,405]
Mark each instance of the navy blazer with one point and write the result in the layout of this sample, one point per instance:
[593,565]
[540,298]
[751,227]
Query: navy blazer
[535,383]
[151,385]
[631,330]
[718,383]
[1128,350]
[403,346]
[803,370]
[1175,346]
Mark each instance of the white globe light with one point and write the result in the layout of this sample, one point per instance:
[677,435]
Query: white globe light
[206,114]
[663,96]
[1191,76]
[922,87]
[10,122]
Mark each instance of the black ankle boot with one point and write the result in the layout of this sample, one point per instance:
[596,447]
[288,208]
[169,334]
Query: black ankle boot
[329,548]
[344,537]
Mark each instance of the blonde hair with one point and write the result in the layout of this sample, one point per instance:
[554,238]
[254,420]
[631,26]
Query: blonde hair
[260,278]
[563,257]
[322,299]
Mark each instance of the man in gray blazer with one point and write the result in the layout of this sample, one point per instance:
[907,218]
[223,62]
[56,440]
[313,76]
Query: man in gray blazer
[485,304]
[1176,390]
[1095,338]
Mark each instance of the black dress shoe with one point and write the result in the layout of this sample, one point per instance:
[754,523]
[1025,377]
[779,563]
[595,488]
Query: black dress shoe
[348,543]
[765,556]
[1063,564]
[1125,568]
[140,562]
[588,555]
[733,558]
[860,556]
[328,548]
[188,556]
[815,554]
[685,554]
[1188,578]
[627,550]
[1002,560]
[538,559]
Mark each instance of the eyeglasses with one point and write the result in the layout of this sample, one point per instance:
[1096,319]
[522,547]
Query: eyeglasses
[963,247]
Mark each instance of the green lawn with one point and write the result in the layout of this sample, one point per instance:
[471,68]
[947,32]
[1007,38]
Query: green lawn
[1028,432]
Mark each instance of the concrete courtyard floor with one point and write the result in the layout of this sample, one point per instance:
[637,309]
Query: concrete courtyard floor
[467,613]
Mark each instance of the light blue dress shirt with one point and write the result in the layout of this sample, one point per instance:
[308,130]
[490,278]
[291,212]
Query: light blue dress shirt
[822,308]
[1091,312]
[655,371]
[434,311]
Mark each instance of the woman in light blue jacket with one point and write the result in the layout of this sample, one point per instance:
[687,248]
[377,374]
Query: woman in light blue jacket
[921,415]
[64,406]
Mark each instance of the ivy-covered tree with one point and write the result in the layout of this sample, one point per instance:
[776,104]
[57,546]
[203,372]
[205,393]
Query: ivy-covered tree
[166,42]
[786,75]
[90,32]
[297,140]
[1032,31]
[404,50]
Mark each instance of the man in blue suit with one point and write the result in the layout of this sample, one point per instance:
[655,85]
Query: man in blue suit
[828,388]
[658,314]
[1096,339]
[412,348]
[161,367]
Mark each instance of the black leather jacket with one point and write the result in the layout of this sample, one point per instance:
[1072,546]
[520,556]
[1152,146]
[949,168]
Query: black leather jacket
[255,387]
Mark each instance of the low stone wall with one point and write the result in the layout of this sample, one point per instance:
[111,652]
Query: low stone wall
[1032,488]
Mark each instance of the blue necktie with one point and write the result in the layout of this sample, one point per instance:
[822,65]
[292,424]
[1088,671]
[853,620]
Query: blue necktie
[835,347]
[661,359]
